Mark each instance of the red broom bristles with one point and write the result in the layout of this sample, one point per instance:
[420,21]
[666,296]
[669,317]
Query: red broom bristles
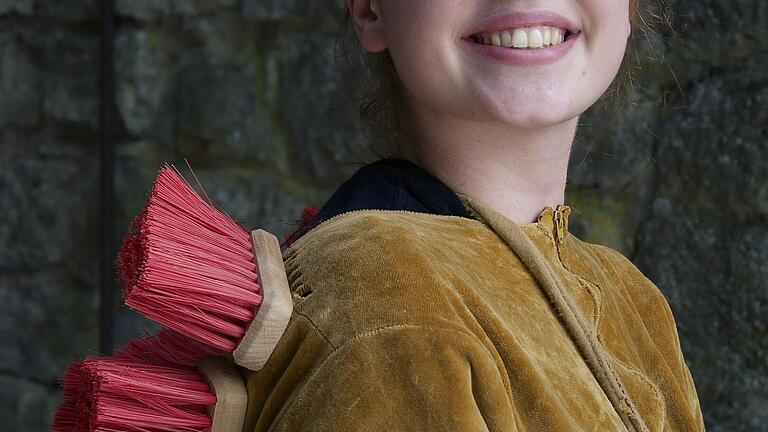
[129,255]
[189,266]
[64,420]
[167,348]
[107,394]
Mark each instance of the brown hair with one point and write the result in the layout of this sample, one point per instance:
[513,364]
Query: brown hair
[378,84]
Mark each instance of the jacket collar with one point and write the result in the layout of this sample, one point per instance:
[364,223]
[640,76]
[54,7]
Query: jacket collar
[399,184]
[387,184]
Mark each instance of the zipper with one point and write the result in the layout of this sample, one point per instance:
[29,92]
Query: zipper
[559,225]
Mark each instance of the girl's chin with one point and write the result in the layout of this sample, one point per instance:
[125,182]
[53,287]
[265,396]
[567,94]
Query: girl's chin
[528,119]
[522,112]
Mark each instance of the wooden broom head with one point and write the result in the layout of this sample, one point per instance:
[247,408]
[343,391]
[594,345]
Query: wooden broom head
[189,266]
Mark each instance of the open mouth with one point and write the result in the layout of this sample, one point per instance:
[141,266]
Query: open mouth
[535,37]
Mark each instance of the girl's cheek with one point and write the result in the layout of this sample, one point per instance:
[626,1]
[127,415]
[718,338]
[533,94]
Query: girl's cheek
[606,30]
[606,18]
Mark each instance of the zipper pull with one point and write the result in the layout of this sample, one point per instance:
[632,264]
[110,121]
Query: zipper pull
[559,225]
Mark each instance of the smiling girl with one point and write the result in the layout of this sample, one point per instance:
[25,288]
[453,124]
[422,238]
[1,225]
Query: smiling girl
[441,289]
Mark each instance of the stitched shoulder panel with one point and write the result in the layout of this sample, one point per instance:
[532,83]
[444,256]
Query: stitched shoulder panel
[370,269]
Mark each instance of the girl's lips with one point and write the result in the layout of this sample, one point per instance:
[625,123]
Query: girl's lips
[524,56]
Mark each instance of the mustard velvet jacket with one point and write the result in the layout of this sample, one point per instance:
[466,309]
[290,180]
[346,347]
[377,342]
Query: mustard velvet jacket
[425,322]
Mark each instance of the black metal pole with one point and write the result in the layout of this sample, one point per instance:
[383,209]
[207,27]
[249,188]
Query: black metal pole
[107,174]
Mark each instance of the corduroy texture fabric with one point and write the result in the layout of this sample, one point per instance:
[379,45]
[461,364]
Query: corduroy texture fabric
[582,334]
[416,321]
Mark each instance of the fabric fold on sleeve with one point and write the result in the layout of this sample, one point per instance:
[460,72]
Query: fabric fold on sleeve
[402,377]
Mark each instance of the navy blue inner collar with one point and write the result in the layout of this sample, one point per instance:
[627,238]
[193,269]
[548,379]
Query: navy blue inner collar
[390,184]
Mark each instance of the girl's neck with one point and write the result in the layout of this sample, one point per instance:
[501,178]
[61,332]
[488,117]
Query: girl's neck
[517,172]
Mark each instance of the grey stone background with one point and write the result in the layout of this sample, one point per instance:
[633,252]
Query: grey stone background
[250,93]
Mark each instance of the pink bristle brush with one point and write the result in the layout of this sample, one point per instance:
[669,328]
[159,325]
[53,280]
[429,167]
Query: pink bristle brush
[157,383]
[167,347]
[106,394]
[190,267]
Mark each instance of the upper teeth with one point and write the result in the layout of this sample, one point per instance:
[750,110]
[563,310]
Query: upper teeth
[526,37]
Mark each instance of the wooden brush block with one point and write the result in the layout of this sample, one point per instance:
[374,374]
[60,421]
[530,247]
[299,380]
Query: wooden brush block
[276,308]
[228,414]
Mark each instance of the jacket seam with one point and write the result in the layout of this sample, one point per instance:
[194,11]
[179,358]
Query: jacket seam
[378,330]
[659,399]
[580,277]
[320,332]
[548,234]
[599,310]
[630,368]
[599,338]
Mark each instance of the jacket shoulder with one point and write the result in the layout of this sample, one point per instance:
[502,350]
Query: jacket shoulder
[369,269]
[651,305]
[646,297]
[619,266]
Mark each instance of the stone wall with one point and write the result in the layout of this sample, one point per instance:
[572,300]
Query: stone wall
[248,91]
